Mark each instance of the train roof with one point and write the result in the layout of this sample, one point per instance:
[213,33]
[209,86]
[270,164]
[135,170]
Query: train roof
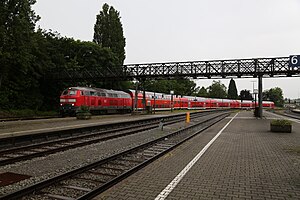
[99,90]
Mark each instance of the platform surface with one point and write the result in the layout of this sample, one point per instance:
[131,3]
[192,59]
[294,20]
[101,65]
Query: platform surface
[246,161]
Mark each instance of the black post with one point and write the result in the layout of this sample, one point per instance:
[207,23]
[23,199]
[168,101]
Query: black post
[154,103]
[260,109]
[171,102]
[144,96]
[136,96]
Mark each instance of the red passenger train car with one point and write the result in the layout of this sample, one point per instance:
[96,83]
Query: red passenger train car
[112,101]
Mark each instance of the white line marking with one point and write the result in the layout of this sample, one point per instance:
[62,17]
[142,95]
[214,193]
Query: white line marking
[163,195]
[241,117]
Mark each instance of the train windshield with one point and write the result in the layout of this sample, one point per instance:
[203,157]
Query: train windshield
[69,92]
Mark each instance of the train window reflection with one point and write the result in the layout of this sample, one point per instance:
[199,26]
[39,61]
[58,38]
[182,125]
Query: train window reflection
[72,92]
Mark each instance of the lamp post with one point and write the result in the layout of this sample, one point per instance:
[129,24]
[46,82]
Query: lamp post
[253,93]
[171,92]
[154,103]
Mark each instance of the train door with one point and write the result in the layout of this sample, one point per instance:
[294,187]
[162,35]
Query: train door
[86,98]
[93,98]
[123,103]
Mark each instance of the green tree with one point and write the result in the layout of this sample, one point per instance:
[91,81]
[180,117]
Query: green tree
[245,95]
[232,91]
[108,32]
[17,44]
[217,90]
[275,95]
[61,53]
[202,92]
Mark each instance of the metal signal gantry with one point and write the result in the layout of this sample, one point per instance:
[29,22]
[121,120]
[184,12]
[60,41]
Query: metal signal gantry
[259,67]
[210,69]
[218,68]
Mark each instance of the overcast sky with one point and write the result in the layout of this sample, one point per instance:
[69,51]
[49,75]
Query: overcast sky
[190,30]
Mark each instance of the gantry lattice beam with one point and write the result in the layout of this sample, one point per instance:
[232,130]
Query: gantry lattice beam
[196,69]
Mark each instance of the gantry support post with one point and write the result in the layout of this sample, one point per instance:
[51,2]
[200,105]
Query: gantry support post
[144,94]
[136,96]
[154,106]
[260,106]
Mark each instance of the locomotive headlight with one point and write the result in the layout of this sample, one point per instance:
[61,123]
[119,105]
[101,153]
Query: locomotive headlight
[72,104]
[72,100]
[62,100]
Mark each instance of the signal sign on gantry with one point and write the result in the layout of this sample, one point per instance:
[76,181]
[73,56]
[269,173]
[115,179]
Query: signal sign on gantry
[294,61]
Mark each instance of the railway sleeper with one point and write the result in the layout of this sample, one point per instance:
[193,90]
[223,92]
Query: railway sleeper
[102,174]
[77,188]
[55,196]
[93,177]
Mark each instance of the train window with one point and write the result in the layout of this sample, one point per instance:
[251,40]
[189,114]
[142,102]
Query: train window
[72,92]
[92,93]
[115,95]
[110,94]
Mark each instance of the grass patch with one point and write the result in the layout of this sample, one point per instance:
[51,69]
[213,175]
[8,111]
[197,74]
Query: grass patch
[295,150]
[281,122]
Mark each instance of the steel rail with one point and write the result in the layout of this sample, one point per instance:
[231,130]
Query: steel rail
[78,141]
[55,134]
[163,143]
[291,114]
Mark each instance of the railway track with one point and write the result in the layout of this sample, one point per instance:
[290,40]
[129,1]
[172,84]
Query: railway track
[38,137]
[290,114]
[88,181]
[16,154]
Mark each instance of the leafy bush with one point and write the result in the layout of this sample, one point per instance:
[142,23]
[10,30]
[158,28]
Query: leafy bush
[281,122]
[83,113]
[84,109]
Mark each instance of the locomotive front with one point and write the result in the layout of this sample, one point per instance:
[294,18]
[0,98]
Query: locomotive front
[70,101]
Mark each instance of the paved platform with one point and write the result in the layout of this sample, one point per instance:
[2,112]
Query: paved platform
[246,161]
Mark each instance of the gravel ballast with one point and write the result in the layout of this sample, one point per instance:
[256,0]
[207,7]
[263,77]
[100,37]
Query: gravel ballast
[49,166]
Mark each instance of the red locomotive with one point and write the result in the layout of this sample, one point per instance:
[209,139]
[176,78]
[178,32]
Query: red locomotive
[111,101]
[98,100]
